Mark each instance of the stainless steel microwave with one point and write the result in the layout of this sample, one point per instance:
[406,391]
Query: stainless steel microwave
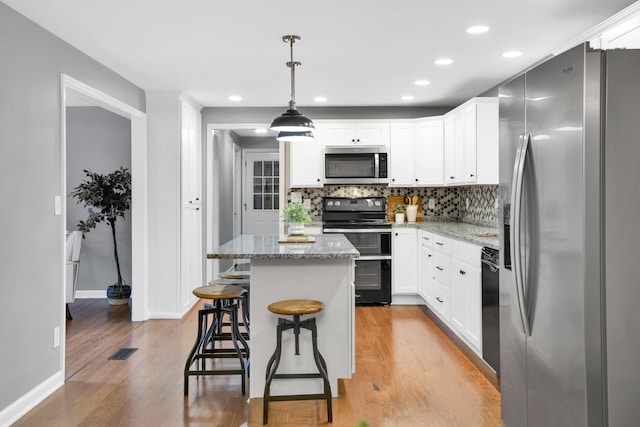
[355,165]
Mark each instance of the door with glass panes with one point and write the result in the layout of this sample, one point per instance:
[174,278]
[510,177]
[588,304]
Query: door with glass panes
[261,193]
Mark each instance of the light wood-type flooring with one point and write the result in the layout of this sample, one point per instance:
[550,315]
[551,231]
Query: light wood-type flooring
[408,373]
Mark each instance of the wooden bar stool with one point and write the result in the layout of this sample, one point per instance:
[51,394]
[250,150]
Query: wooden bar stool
[225,302]
[296,308]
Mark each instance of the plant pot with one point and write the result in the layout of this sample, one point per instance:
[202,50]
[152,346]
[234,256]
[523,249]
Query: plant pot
[400,218]
[296,228]
[412,212]
[115,297]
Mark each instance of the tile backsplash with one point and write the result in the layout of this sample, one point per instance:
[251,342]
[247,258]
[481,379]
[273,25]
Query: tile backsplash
[474,203]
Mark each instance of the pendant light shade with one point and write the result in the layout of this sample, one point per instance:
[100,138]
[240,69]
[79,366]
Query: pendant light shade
[295,136]
[293,121]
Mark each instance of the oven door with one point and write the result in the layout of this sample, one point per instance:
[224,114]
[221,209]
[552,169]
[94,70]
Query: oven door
[373,280]
[373,267]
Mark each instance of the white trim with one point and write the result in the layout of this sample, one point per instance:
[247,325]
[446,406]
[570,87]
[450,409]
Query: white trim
[597,31]
[212,206]
[30,400]
[90,294]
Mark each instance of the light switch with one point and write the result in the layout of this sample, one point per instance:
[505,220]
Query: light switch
[57,205]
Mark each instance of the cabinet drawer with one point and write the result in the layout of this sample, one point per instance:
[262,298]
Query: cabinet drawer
[466,252]
[442,301]
[442,244]
[442,268]
[426,239]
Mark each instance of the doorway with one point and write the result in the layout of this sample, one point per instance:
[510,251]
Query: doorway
[261,192]
[89,96]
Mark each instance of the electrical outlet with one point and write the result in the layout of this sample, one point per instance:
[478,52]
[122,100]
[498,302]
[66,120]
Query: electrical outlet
[56,337]
[495,204]
[296,196]
[466,203]
[306,203]
[432,203]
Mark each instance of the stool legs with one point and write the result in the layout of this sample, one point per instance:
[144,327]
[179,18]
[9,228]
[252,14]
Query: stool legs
[208,334]
[274,361]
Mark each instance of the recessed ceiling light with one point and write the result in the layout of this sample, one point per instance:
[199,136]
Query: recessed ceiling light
[512,54]
[421,82]
[478,29]
[260,130]
[320,99]
[407,98]
[235,98]
[444,61]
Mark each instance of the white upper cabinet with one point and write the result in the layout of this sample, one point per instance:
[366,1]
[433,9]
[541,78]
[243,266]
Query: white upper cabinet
[429,152]
[401,155]
[306,163]
[416,153]
[471,143]
[355,132]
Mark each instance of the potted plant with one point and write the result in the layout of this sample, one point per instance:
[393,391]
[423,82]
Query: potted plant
[399,211]
[296,216]
[107,197]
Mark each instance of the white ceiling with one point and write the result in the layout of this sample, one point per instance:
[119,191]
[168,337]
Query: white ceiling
[356,52]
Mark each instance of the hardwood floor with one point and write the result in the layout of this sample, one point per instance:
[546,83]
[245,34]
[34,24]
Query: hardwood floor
[408,374]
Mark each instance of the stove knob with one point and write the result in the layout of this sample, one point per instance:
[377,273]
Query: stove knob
[329,203]
[377,203]
[337,203]
[369,203]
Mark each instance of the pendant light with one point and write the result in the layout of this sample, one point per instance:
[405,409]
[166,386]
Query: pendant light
[292,124]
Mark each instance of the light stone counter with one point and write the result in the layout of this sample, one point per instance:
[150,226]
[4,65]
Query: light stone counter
[472,233]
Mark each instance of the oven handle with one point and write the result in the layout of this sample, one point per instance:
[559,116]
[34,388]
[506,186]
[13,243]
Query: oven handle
[356,230]
[373,258]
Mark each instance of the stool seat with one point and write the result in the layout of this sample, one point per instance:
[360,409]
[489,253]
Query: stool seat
[218,291]
[296,307]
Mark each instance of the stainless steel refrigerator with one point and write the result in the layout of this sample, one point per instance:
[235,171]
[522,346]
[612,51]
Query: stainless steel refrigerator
[570,259]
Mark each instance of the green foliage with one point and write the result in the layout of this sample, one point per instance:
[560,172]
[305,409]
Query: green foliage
[363,423]
[295,212]
[106,197]
[400,208]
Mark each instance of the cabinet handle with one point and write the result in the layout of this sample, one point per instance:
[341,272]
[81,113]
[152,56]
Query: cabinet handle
[439,300]
[396,234]
[439,268]
[452,177]
[197,209]
[416,179]
[463,272]
[429,256]
[358,140]
[440,243]
[197,198]
[353,140]
[393,180]
[318,179]
[471,175]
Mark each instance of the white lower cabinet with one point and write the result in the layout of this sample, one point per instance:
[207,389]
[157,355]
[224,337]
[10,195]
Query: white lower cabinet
[466,313]
[425,266]
[450,282]
[404,274]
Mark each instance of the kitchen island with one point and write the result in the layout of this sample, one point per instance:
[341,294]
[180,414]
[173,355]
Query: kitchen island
[323,270]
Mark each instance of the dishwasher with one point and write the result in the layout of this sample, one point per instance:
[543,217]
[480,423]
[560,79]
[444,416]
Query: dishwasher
[490,308]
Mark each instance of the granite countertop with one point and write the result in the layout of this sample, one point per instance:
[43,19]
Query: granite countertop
[266,246]
[472,233]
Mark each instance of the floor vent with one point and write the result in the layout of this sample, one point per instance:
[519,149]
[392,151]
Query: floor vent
[122,354]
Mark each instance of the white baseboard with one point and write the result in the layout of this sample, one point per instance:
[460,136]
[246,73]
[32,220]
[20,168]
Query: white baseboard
[17,409]
[410,299]
[91,294]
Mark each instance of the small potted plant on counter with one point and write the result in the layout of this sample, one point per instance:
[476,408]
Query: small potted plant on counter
[399,211]
[296,216]
[107,197]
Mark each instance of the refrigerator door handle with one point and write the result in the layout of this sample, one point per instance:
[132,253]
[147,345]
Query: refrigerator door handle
[516,212]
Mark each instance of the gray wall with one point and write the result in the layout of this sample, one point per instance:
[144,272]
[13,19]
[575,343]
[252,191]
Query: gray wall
[30,177]
[100,141]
